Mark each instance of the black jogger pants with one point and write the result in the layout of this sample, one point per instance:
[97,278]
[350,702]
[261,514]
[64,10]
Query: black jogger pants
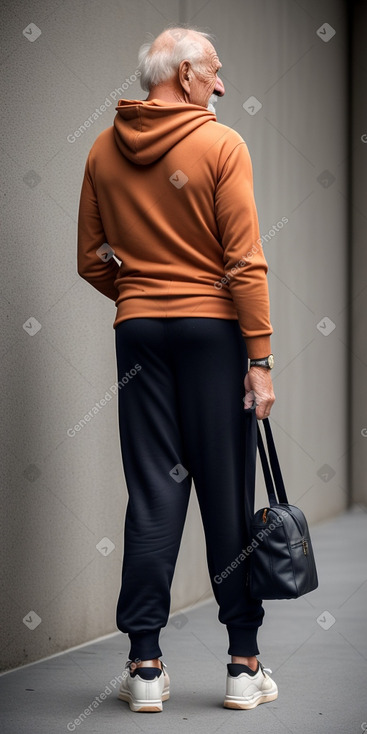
[181,417]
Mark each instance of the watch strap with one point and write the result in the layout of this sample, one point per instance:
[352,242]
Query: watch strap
[263,362]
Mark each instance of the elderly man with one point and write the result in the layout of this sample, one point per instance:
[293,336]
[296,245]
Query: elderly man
[169,191]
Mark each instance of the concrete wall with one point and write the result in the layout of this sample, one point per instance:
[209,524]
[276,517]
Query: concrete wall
[358,254]
[64,495]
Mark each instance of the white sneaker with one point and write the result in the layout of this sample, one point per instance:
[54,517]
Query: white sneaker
[247,688]
[145,688]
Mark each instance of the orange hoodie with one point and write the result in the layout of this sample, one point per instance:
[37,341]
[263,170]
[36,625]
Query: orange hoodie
[169,191]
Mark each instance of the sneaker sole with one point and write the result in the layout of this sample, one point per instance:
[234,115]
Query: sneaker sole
[139,706]
[239,703]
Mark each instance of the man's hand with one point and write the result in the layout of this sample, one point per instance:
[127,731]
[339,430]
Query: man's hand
[259,387]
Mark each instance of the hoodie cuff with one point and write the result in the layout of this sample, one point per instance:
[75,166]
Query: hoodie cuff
[258,347]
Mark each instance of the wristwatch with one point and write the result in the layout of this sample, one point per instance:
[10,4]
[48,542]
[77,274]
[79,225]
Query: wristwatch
[267,362]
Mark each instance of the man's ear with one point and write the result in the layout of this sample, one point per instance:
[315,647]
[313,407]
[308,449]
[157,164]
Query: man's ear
[184,75]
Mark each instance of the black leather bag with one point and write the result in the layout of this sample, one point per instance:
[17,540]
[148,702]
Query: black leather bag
[281,559]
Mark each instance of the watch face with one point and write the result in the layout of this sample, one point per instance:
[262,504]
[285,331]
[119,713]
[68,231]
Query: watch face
[271,361]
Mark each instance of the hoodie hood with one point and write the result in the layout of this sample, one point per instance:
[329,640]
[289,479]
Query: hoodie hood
[145,130]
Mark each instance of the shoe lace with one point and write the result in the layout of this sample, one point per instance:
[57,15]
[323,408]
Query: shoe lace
[265,670]
[126,670]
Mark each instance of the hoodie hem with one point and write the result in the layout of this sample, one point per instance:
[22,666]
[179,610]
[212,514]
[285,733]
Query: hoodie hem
[174,307]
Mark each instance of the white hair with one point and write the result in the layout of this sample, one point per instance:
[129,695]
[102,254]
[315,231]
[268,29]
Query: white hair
[161,65]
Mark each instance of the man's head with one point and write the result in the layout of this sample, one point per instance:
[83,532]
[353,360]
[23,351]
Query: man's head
[181,64]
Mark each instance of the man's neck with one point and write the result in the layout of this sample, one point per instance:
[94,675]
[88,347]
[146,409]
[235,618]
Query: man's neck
[167,93]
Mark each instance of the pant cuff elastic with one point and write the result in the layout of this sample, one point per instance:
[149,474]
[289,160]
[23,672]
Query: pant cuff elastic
[144,645]
[243,642]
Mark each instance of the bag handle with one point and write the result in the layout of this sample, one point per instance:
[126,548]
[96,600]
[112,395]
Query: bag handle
[273,477]
[279,490]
